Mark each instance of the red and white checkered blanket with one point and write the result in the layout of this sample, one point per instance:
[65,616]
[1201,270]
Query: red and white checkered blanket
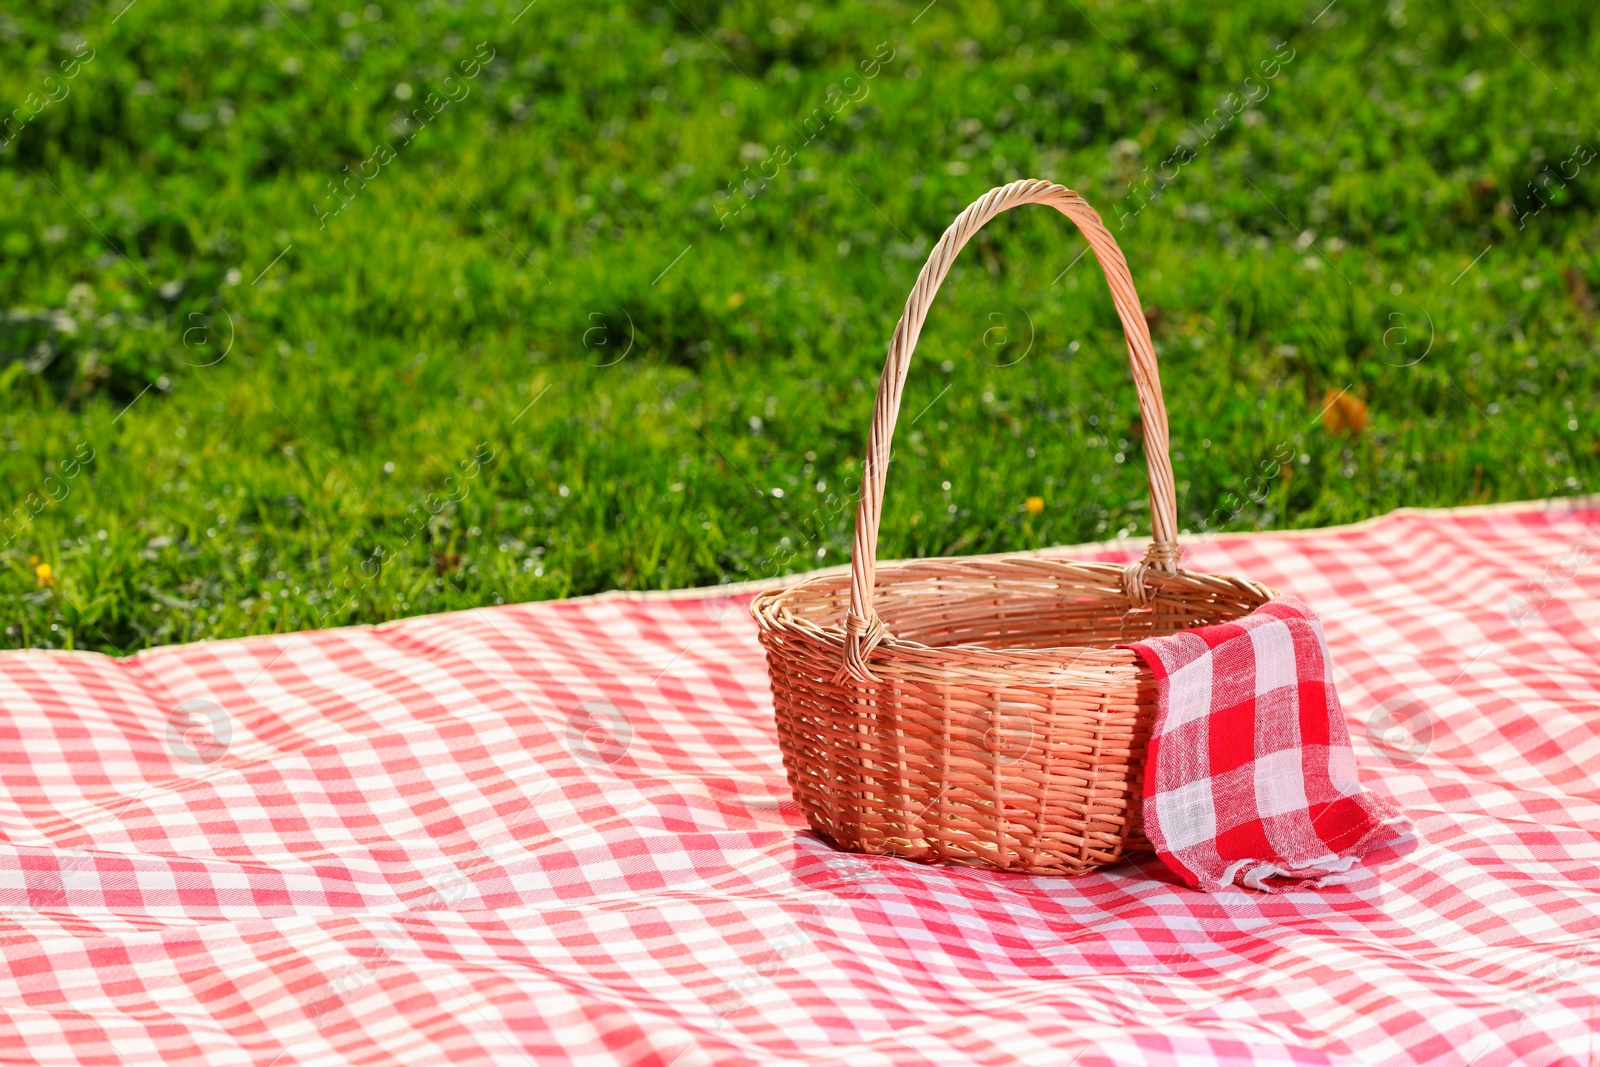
[561,832]
[1251,778]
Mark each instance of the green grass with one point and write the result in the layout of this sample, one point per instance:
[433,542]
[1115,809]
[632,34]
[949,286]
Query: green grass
[526,360]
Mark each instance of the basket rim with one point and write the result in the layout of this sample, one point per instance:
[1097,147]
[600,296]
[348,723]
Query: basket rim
[766,606]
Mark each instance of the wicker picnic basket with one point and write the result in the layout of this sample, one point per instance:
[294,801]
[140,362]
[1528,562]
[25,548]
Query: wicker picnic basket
[975,711]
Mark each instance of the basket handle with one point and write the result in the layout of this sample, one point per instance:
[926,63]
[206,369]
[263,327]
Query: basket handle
[863,629]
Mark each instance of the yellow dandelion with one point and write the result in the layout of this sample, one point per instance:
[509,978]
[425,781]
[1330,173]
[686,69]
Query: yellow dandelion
[46,575]
[1034,504]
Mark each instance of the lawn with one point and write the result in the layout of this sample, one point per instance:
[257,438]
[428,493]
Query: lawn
[318,314]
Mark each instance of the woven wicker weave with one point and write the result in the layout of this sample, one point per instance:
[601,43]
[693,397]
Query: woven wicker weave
[975,711]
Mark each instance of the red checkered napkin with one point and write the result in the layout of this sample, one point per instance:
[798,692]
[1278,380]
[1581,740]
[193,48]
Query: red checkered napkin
[1250,779]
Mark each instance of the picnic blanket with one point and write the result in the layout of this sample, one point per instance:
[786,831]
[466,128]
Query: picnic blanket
[560,832]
